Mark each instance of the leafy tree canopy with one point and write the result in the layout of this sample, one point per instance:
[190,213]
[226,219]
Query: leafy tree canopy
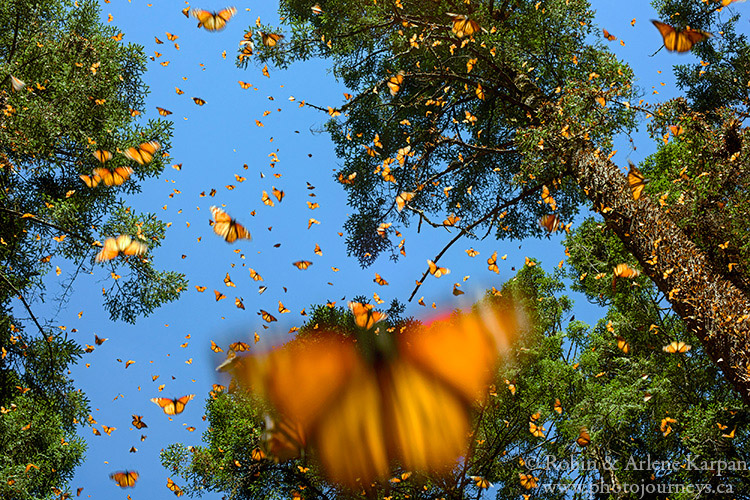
[68,87]
[488,116]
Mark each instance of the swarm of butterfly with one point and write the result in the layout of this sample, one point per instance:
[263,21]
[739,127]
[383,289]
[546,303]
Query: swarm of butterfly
[427,389]
[142,154]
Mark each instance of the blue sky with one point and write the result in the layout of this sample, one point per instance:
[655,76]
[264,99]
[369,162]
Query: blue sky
[213,142]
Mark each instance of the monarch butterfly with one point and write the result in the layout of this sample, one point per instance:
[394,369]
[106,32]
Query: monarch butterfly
[213,21]
[437,271]
[172,486]
[330,390]
[199,101]
[228,228]
[609,36]
[665,426]
[91,180]
[528,481]
[636,181]
[395,82]
[492,263]
[622,344]
[548,199]
[302,264]
[102,155]
[173,406]
[451,220]
[138,423]
[379,280]
[247,50]
[113,177]
[558,406]
[481,482]
[550,222]
[349,179]
[316,10]
[144,153]
[584,439]
[16,83]
[270,39]
[364,316]
[536,430]
[125,479]
[123,244]
[623,271]
[267,317]
[239,346]
[679,40]
[677,347]
[462,25]
[163,112]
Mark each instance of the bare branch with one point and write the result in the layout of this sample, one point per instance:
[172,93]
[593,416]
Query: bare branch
[523,194]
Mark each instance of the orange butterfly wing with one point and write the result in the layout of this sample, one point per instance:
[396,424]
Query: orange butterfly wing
[125,479]
[460,353]
[144,153]
[173,406]
[109,251]
[228,228]
[679,40]
[301,378]
[213,21]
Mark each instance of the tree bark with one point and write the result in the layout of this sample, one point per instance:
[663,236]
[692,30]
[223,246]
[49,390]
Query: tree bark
[709,304]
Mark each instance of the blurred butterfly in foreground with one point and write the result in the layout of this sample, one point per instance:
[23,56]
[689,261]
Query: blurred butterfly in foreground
[213,21]
[679,40]
[173,406]
[123,244]
[125,479]
[228,228]
[144,153]
[363,403]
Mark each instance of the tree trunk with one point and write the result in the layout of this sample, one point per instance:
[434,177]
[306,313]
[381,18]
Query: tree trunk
[709,304]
